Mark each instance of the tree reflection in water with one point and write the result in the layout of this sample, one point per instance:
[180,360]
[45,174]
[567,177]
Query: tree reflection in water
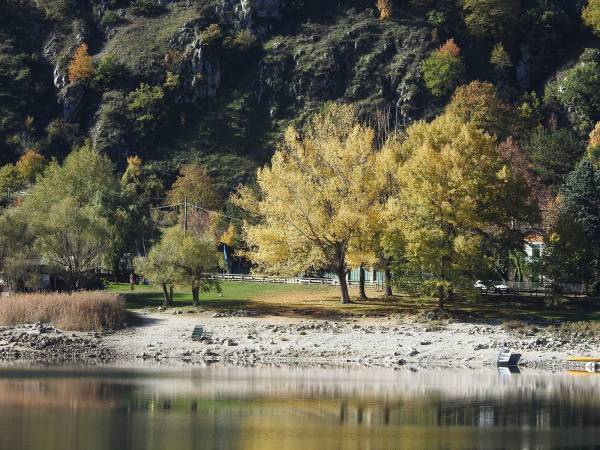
[293,408]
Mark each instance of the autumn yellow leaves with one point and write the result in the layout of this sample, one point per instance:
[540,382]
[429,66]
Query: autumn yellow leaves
[426,202]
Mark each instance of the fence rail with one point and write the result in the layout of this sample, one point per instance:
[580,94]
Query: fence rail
[506,288]
[291,280]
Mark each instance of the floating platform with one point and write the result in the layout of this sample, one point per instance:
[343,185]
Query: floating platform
[583,359]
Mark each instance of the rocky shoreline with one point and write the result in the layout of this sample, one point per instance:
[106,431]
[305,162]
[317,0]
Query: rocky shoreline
[44,344]
[241,338]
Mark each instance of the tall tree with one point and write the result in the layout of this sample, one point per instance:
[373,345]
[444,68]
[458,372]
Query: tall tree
[195,192]
[196,255]
[68,212]
[314,199]
[580,195]
[159,267]
[457,196]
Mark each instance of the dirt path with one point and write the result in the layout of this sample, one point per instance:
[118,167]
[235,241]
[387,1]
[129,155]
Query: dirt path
[387,342]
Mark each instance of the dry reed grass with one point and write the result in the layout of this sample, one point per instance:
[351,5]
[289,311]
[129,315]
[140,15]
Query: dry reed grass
[79,311]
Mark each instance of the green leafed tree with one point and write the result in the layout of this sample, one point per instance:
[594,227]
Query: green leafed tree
[491,19]
[183,259]
[68,213]
[196,255]
[159,267]
[576,92]
[146,105]
[443,70]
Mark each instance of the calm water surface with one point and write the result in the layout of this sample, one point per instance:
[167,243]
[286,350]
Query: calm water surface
[283,408]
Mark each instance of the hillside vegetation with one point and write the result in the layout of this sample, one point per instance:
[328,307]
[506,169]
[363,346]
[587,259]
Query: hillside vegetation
[426,138]
[229,75]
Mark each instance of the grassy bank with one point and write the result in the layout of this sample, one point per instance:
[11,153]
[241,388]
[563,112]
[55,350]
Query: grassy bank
[323,301]
[80,311]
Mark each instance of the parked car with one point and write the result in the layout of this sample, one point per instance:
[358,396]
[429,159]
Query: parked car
[499,288]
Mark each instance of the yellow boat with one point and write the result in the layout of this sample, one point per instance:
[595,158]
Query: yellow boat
[584,359]
[581,373]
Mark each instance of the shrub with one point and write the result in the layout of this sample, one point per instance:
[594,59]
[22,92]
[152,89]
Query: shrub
[109,71]
[55,9]
[146,104]
[110,18]
[443,69]
[500,59]
[146,8]
[589,329]
[242,41]
[212,36]
[30,165]
[516,325]
[79,311]
[82,65]
[385,9]
[591,15]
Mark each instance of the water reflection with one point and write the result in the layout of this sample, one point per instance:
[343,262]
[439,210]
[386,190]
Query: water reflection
[294,408]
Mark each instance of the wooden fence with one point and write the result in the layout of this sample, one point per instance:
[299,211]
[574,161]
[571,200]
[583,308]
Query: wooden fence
[522,288]
[291,280]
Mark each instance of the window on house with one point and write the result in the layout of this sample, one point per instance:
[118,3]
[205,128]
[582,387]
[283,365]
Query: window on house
[536,250]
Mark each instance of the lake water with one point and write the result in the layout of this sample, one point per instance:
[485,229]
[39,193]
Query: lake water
[288,408]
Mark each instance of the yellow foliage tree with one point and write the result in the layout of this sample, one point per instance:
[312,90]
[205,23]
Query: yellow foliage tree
[30,165]
[82,65]
[478,102]
[591,15]
[455,194]
[449,48]
[385,9]
[593,149]
[316,199]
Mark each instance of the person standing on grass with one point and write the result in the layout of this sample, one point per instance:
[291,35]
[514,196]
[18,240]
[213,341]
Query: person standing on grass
[132,281]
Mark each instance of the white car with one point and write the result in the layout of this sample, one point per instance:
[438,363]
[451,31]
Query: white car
[501,288]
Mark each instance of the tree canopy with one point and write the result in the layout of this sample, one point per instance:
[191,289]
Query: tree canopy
[315,198]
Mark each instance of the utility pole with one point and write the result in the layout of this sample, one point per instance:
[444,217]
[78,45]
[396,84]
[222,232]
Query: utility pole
[185,216]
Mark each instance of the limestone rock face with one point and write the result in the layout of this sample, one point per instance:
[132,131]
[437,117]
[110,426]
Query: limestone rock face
[198,69]
[354,60]
[72,101]
[254,15]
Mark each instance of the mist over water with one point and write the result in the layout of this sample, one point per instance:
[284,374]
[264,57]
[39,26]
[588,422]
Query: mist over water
[291,408]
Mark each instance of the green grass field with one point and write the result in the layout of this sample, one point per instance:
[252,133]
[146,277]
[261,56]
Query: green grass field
[323,301]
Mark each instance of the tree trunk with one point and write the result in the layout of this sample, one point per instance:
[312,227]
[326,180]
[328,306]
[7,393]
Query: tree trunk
[361,284]
[345,297]
[388,281]
[168,297]
[196,295]
[171,294]
[441,297]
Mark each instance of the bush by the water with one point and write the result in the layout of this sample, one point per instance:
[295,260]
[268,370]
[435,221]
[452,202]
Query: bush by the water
[80,311]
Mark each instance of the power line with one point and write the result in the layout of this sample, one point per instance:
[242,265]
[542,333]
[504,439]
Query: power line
[186,204]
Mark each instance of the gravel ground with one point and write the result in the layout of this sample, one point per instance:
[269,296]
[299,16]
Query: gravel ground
[240,338]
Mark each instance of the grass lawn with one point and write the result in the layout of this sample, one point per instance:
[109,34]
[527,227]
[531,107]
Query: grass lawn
[323,301]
